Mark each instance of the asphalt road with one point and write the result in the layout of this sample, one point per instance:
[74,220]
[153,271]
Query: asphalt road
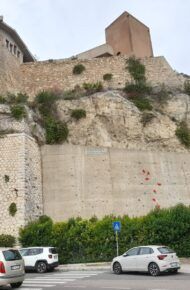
[99,280]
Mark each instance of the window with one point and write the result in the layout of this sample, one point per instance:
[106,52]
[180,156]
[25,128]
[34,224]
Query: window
[12,255]
[53,250]
[15,48]
[11,47]
[18,53]
[146,251]
[165,250]
[7,43]
[132,252]
[36,251]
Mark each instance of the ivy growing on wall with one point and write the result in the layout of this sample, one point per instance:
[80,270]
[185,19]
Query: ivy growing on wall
[6,177]
[12,209]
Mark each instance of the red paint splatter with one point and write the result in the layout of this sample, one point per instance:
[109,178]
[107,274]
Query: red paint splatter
[147,178]
[159,184]
[154,191]
[148,173]
[154,199]
[143,171]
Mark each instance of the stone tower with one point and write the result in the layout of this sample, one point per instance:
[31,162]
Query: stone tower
[127,35]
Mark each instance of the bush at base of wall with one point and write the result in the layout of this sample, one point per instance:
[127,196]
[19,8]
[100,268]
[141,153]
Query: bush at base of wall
[80,240]
[7,241]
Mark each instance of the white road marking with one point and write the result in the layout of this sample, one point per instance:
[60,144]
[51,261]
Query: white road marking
[115,288]
[45,282]
[51,279]
[76,286]
[31,288]
[37,285]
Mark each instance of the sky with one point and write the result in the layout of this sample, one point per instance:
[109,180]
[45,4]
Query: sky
[57,29]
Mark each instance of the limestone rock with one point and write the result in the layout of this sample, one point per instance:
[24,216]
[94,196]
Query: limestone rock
[113,121]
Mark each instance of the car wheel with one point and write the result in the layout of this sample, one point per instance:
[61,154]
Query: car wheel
[175,271]
[16,285]
[117,268]
[41,267]
[153,269]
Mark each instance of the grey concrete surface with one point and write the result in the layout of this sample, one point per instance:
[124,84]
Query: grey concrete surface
[101,280]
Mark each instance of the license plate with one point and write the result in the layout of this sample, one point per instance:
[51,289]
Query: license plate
[174,264]
[15,267]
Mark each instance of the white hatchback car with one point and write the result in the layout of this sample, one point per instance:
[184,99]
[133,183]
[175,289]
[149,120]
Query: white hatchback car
[11,268]
[40,259]
[152,259]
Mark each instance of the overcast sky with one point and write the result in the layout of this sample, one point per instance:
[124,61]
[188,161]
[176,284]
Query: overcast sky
[62,28]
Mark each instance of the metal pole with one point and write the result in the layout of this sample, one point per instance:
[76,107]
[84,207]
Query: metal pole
[117,244]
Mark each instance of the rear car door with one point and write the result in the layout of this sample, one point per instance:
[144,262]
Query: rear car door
[169,256]
[53,255]
[129,260]
[144,258]
[14,264]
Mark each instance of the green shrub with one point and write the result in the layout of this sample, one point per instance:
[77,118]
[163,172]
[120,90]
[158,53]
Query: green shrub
[92,88]
[142,104]
[78,69]
[162,95]
[21,98]
[7,241]
[46,98]
[107,77]
[56,131]
[80,240]
[183,134]
[134,90]
[77,114]
[2,100]
[37,233]
[12,209]
[18,112]
[74,94]
[147,118]
[136,70]
[187,87]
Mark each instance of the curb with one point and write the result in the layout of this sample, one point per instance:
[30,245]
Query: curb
[185,267]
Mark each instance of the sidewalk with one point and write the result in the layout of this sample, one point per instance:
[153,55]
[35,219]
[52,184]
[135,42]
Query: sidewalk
[185,266]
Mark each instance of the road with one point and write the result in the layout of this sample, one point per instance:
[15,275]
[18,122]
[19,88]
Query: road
[104,280]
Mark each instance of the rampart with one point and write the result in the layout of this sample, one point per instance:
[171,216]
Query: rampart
[20,181]
[58,74]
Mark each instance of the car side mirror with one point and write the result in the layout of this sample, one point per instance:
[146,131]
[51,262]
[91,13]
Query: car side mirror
[125,255]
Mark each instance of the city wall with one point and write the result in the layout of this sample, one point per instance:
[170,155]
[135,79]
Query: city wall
[86,181]
[20,181]
[58,74]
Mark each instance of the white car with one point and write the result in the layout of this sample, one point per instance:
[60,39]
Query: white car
[40,259]
[152,259]
[11,268]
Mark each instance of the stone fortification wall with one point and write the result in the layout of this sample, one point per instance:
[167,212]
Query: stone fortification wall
[20,181]
[58,74]
[86,181]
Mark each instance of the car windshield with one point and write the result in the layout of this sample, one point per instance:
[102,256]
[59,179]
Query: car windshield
[165,250]
[53,250]
[12,255]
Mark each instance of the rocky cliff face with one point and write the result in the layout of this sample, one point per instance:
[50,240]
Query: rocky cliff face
[114,121]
